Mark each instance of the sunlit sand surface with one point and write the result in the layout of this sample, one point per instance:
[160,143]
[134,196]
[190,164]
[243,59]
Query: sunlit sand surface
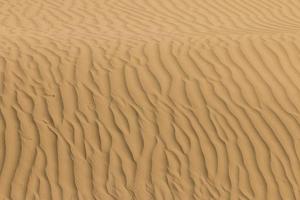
[149,99]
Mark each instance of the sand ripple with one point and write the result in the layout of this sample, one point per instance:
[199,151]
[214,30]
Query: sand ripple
[149,99]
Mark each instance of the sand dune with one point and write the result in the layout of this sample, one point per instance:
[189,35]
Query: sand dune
[149,99]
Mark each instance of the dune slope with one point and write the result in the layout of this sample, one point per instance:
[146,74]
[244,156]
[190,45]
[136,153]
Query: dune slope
[149,99]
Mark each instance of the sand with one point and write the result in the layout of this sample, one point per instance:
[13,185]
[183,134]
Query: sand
[149,99]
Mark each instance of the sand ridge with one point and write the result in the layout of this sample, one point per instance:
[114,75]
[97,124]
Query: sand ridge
[140,99]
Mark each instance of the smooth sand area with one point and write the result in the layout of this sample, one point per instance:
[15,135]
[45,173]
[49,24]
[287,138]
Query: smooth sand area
[149,100]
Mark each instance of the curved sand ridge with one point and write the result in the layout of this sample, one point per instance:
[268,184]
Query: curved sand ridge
[149,99]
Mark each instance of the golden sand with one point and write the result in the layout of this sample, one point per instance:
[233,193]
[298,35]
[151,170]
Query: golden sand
[149,100]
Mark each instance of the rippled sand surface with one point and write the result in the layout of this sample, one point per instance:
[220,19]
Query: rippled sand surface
[149,99]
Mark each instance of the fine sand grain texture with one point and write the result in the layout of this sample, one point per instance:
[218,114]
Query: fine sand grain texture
[149,99]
